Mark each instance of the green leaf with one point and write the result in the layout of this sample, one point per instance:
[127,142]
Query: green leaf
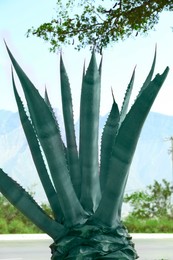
[100,66]
[150,74]
[26,204]
[46,98]
[72,153]
[127,98]
[145,84]
[123,151]
[47,101]
[88,146]
[51,143]
[108,139]
[38,158]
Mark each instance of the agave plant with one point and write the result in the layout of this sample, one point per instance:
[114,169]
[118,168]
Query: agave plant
[85,194]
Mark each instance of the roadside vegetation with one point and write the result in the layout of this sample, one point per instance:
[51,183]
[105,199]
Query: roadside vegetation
[151,209]
[151,212]
[14,222]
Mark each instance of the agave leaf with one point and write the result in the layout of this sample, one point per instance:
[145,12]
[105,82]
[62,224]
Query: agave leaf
[46,98]
[100,66]
[127,98]
[83,74]
[51,143]
[108,138]
[89,124]
[47,101]
[123,151]
[38,158]
[26,204]
[72,153]
[145,84]
[150,74]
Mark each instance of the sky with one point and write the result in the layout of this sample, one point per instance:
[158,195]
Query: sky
[42,67]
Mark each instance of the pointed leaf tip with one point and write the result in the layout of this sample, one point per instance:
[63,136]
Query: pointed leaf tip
[5,43]
[113,95]
[100,65]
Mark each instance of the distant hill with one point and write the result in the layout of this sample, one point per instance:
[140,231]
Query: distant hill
[151,160]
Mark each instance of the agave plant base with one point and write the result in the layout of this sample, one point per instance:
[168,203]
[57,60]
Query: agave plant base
[89,242]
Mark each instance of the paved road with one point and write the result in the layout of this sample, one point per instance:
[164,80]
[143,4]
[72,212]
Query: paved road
[25,250]
[148,249]
[154,249]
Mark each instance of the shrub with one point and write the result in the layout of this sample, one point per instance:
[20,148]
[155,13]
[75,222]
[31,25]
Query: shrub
[153,202]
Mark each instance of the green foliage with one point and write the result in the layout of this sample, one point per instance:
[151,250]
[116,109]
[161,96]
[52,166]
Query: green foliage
[138,225]
[152,210]
[12,221]
[153,202]
[99,23]
[85,199]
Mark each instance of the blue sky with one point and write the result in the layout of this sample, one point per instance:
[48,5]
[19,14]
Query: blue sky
[17,16]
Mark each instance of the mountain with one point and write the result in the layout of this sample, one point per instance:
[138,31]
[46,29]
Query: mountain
[151,160]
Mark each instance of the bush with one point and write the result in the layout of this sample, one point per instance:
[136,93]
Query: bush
[3,226]
[153,202]
[152,210]
[12,221]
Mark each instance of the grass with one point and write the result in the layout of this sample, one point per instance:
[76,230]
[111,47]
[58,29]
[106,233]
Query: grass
[18,226]
[161,225]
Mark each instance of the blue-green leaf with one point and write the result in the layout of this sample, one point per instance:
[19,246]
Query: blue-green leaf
[26,204]
[127,98]
[150,74]
[123,151]
[51,143]
[72,153]
[38,158]
[108,139]
[89,125]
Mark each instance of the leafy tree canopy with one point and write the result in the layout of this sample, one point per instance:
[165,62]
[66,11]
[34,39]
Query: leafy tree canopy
[99,23]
